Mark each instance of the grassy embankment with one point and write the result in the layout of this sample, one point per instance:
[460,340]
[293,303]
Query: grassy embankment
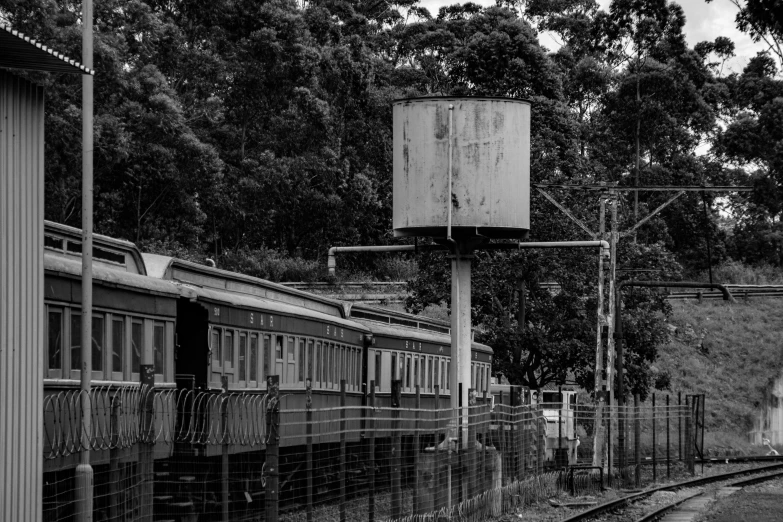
[740,354]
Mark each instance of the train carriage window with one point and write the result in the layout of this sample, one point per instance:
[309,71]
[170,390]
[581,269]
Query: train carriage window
[415,371]
[302,360]
[117,344]
[394,366]
[429,373]
[242,357]
[359,368]
[328,363]
[76,341]
[266,354]
[310,361]
[318,364]
[448,379]
[228,350]
[336,366]
[553,400]
[158,347]
[279,348]
[408,371]
[435,367]
[217,356]
[344,365]
[254,359]
[55,341]
[378,369]
[98,342]
[137,340]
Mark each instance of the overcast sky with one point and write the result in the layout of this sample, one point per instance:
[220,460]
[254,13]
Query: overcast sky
[703,22]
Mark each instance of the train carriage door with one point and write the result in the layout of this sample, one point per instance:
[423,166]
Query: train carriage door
[217,355]
[228,355]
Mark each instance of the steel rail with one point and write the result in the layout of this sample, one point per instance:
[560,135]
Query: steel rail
[620,502]
[658,513]
[655,515]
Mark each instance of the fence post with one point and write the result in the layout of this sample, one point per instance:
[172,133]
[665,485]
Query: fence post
[416,449]
[224,455]
[688,437]
[513,434]
[146,449]
[395,450]
[114,460]
[309,457]
[471,445]
[272,495]
[438,474]
[342,450]
[654,448]
[484,421]
[540,438]
[679,426]
[668,447]
[637,434]
[609,463]
[371,507]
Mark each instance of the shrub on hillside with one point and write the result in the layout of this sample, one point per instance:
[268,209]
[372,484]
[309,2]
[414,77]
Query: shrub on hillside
[739,273]
[268,263]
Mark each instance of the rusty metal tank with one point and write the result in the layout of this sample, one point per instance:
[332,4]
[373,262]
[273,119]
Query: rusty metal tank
[488,142]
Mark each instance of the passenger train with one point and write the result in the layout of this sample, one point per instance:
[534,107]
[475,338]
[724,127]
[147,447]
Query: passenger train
[206,329]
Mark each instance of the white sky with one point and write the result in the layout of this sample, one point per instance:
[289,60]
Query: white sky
[703,22]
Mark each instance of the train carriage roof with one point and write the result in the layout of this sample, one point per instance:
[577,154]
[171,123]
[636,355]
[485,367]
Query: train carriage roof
[260,303]
[165,267]
[72,268]
[417,335]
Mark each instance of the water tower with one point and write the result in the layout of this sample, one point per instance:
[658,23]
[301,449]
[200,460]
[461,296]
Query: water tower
[461,177]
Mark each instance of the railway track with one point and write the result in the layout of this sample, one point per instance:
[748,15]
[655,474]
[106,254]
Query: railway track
[624,502]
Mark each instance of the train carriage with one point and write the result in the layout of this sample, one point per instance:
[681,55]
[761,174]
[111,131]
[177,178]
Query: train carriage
[216,336]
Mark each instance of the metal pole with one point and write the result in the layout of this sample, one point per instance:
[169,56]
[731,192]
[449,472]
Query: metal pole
[668,447]
[679,425]
[84,473]
[272,494]
[654,449]
[343,451]
[599,387]
[465,341]
[637,432]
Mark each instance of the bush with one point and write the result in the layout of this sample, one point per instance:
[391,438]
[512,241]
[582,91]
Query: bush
[395,268]
[268,263]
[739,273]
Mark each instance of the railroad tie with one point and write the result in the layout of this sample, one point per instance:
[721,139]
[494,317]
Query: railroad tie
[690,509]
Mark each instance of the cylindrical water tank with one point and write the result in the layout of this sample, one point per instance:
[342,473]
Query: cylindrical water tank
[488,140]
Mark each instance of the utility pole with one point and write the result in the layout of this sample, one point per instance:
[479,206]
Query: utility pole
[84,473]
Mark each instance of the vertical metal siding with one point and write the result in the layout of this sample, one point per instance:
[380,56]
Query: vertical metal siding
[21,297]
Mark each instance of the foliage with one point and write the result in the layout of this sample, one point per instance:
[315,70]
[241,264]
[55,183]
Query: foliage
[258,134]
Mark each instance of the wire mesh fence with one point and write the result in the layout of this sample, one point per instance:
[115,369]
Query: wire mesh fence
[207,456]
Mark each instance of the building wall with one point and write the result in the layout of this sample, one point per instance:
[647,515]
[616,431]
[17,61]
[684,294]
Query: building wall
[21,297]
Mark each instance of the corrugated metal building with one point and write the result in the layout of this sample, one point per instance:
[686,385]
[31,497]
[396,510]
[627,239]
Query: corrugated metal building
[21,272]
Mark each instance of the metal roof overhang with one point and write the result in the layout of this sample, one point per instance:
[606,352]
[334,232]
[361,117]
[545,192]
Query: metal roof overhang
[22,52]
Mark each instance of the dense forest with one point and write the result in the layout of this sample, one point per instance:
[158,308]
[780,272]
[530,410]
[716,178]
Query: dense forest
[258,133]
